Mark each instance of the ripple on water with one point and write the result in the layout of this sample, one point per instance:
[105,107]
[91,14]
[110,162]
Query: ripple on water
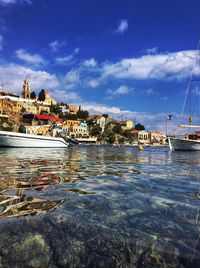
[99,207]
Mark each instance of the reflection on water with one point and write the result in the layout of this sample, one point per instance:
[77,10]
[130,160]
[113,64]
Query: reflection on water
[99,207]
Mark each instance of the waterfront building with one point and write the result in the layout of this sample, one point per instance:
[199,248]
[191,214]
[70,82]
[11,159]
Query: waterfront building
[140,136]
[157,137]
[78,132]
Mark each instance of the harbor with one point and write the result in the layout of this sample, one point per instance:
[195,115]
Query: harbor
[99,134]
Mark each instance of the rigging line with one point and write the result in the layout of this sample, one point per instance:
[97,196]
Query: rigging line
[190,81]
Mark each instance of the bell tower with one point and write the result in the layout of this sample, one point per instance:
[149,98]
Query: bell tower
[26,94]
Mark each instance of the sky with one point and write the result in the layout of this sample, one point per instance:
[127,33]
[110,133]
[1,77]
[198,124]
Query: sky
[131,59]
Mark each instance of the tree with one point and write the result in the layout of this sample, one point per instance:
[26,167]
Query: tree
[55,109]
[111,138]
[117,129]
[105,115]
[82,114]
[139,127]
[68,116]
[41,96]
[33,95]
[127,133]
[90,122]
[96,130]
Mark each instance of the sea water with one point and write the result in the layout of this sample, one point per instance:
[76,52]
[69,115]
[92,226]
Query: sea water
[93,206]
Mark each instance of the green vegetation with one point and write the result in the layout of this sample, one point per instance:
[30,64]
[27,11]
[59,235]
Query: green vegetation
[139,127]
[117,129]
[41,96]
[82,114]
[33,95]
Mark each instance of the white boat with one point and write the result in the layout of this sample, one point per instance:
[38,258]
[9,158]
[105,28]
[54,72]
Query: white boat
[15,139]
[191,141]
[178,144]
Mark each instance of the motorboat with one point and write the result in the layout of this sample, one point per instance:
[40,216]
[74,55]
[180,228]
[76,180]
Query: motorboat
[16,139]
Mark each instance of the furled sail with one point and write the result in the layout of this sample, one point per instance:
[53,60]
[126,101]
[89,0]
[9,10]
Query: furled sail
[189,126]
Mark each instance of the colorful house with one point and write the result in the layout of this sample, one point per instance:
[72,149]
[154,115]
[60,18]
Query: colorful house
[127,124]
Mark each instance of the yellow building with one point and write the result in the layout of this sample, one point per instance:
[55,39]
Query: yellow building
[3,106]
[30,108]
[78,132]
[127,124]
[43,108]
[73,109]
[72,123]
[49,100]
[7,105]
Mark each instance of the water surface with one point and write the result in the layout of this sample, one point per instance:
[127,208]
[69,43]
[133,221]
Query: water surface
[90,206]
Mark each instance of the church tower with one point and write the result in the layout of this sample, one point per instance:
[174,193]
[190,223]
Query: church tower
[26,94]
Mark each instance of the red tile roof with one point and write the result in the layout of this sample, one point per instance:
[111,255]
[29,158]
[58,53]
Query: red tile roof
[42,117]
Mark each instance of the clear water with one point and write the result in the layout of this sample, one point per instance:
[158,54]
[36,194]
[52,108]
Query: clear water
[99,207]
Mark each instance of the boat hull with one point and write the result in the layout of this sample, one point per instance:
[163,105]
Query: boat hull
[14,139]
[176,144]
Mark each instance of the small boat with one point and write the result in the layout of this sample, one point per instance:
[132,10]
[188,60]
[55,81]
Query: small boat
[191,141]
[15,139]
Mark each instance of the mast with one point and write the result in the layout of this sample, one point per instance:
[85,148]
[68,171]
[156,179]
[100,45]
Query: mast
[188,91]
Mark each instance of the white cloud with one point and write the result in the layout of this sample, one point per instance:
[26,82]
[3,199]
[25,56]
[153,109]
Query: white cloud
[176,65]
[1,42]
[71,79]
[56,45]
[165,66]
[67,59]
[67,96]
[29,58]
[93,83]
[122,27]
[64,60]
[122,90]
[76,50]
[100,108]
[90,63]
[149,92]
[165,98]
[152,50]
[13,75]
[6,2]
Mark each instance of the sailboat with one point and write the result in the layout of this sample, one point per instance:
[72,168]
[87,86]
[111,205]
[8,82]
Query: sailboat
[189,141]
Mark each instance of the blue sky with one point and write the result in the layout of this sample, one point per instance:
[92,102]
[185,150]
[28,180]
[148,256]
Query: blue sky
[130,57]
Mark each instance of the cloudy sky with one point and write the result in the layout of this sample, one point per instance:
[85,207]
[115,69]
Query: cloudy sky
[131,58]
